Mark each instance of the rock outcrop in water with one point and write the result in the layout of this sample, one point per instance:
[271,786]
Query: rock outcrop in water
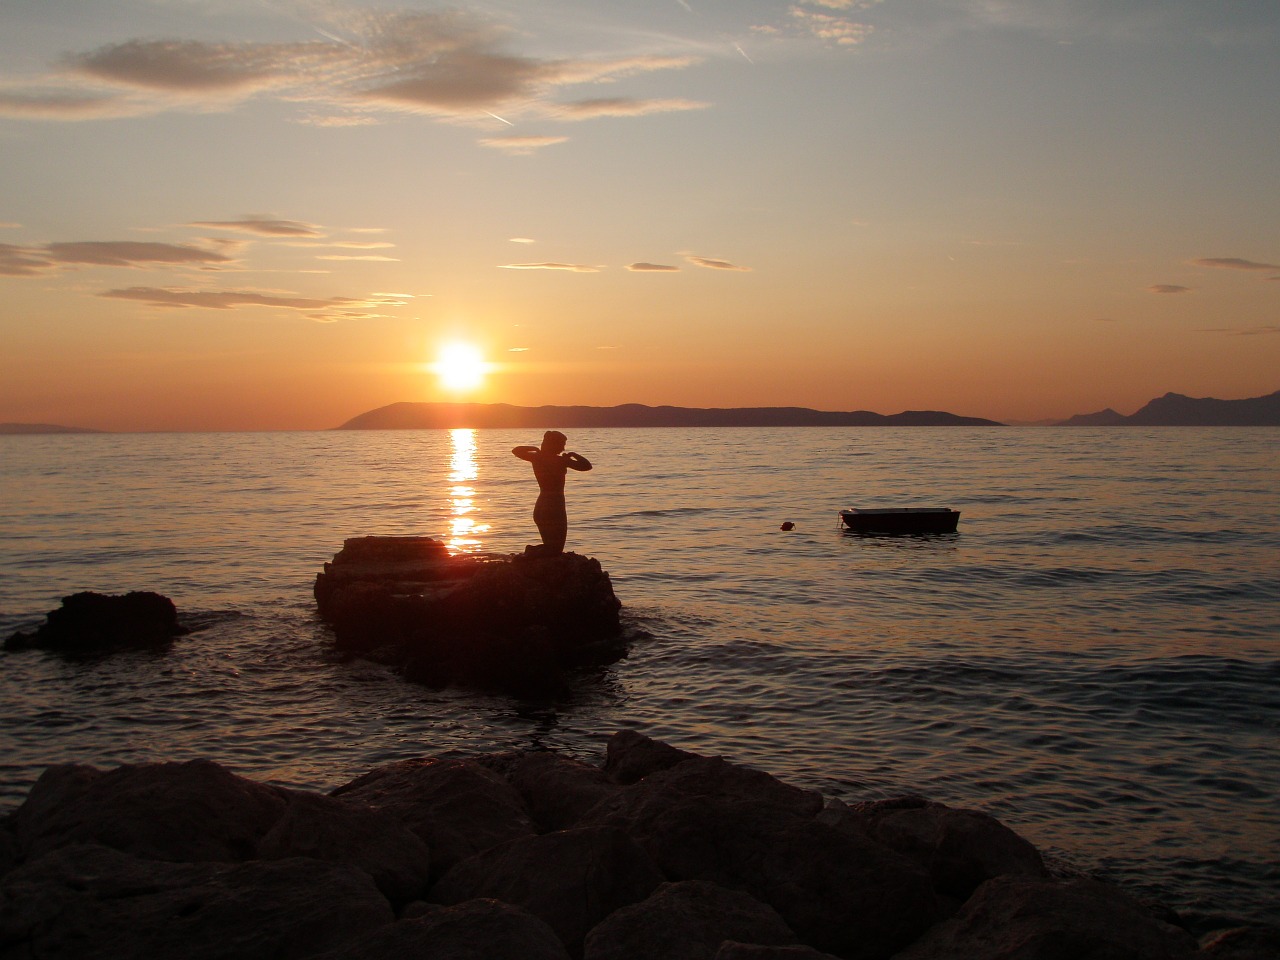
[507,621]
[658,854]
[95,622]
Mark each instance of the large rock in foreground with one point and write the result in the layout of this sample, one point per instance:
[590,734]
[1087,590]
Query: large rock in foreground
[508,621]
[656,854]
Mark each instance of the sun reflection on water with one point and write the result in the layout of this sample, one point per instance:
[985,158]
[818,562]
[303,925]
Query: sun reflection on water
[464,529]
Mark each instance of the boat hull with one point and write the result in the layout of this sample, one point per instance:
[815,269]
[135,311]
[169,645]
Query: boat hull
[901,520]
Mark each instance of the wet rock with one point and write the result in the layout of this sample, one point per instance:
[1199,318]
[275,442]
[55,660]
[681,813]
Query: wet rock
[164,811]
[488,620]
[1241,943]
[457,807]
[845,893]
[631,756]
[87,902]
[91,622]
[571,879]
[10,855]
[558,791]
[960,848]
[732,950]
[335,831]
[475,930]
[685,921]
[1020,918]
[706,818]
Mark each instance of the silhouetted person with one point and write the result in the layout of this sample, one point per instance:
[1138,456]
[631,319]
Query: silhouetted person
[550,464]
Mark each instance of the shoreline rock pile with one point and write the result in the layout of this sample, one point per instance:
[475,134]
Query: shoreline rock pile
[658,854]
[505,621]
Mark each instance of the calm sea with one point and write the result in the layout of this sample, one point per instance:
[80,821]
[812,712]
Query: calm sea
[1094,658]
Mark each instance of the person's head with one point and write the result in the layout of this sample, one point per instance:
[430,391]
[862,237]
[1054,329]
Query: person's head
[553,441]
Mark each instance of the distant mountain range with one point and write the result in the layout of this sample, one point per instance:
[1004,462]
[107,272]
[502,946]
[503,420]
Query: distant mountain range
[32,428]
[424,416]
[1175,410]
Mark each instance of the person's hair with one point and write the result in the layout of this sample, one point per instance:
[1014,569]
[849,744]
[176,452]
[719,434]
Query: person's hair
[555,435]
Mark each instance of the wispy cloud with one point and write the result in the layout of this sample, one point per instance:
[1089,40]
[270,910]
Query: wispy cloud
[362,256]
[643,267]
[835,29]
[572,267]
[521,145]
[1167,288]
[225,299]
[31,261]
[16,261]
[523,240]
[621,107]
[263,226]
[448,64]
[712,264]
[1233,263]
[1244,331]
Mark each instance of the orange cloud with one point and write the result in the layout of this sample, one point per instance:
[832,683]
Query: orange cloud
[573,267]
[1167,288]
[643,267]
[224,299]
[711,264]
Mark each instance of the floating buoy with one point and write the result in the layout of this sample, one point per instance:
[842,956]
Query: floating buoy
[788,526]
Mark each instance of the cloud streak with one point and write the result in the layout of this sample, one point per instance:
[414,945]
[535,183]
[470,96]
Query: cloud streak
[712,264]
[571,267]
[1233,263]
[16,261]
[643,267]
[1167,288]
[446,64]
[224,299]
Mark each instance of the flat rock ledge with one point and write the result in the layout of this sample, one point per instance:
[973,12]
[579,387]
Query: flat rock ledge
[507,621]
[654,854]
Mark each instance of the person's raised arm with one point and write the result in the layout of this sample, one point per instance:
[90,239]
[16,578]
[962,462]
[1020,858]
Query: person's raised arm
[577,461]
[525,453]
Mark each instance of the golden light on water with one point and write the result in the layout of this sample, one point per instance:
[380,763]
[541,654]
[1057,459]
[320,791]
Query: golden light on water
[465,528]
[461,367]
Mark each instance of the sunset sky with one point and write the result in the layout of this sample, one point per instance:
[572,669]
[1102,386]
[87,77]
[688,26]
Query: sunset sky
[274,214]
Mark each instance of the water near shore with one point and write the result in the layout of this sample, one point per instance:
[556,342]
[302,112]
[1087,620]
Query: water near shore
[1094,658]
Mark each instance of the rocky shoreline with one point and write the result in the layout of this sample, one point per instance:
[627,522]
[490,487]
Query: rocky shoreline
[653,853]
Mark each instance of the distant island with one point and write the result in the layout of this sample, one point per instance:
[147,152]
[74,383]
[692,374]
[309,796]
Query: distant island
[1175,410]
[428,416]
[13,429]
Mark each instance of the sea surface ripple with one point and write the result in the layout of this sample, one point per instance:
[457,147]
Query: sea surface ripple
[1094,657]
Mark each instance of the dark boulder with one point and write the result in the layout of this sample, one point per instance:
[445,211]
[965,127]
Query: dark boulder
[1241,943]
[1020,918]
[92,622]
[960,848]
[457,807]
[706,818]
[475,930]
[844,893]
[559,791]
[190,811]
[631,756]
[89,902]
[571,879]
[324,828]
[488,620]
[732,950]
[686,921]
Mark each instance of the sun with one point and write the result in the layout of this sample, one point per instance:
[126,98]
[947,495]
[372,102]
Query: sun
[460,367]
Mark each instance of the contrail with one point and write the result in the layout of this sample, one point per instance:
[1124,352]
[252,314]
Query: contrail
[743,52]
[496,117]
[685,5]
[329,36]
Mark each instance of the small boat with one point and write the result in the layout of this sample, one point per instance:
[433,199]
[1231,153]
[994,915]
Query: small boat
[901,519]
